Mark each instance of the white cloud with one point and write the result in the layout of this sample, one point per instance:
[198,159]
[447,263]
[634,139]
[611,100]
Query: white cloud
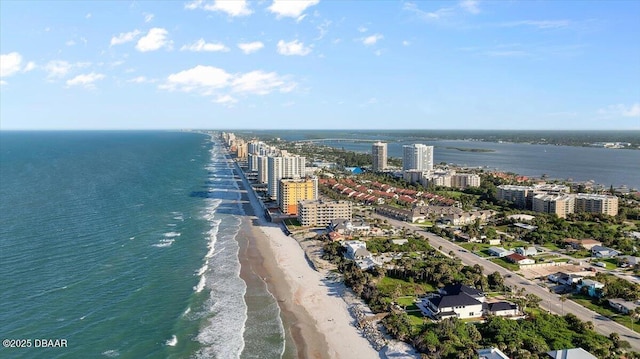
[225,100]
[362,29]
[201,45]
[294,47]
[125,37]
[202,78]
[405,43]
[10,64]
[260,83]
[323,29]
[290,8]
[231,7]
[30,66]
[85,80]
[371,40]
[621,110]
[138,80]
[250,47]
[470,6]
[540,24]
[213,81]
[155,39]
[57,68]
[70,43]
[88,16]
[439,14]
[148,17]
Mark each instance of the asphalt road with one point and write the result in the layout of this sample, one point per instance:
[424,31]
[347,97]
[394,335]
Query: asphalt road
[550,301]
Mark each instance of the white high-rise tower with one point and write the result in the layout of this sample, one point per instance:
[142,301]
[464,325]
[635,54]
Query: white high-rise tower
[417,157]
[379,156]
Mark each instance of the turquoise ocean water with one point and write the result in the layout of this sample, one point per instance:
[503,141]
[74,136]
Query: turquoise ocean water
[125,244]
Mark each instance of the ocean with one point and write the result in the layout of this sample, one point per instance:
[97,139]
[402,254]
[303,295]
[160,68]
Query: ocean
[125,244]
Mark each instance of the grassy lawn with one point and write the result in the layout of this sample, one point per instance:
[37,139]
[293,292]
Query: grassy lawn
[604,310]
[387,286]
[506,264]
[407,302]
[611,263]
[292,223]
[580,254]
[551,246]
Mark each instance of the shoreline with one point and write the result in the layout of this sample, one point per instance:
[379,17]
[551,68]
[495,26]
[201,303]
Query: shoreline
[315,317]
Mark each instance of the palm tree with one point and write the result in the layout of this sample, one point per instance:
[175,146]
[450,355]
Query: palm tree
[563,298]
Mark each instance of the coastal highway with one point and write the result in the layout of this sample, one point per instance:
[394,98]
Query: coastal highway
[550,301]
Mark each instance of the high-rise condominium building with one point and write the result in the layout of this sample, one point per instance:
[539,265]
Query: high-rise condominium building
[417,157]
[283,167]
[294,190]
[379,156]
[321,213]
[597,203]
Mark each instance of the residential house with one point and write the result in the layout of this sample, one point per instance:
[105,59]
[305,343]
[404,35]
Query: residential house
[564,278]
[502,309]
[499,252]
[355,249]
[623,306]
[582,243]
[628,261]
[453,301]
[519,259]
[591,286]
[528,251]
[603,252]
[491,353]
[574,353]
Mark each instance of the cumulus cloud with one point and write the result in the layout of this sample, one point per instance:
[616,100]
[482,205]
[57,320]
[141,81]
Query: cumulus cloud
[202,45]
[260,83]
[10,64]
[230,7]
[372,40]
[148,17]
[86,80]
[125,37]
[289,8]
[214,81]
[139,80]
[250,47]
[294,47]
[620,110]
[155,39]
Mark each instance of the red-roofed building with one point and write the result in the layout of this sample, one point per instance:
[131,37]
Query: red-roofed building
[519,259]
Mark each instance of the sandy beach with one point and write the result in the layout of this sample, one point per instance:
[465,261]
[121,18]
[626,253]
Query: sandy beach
[315,316]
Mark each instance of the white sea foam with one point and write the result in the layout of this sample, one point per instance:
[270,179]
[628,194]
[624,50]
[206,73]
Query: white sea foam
[203,269]
[164,243]
[187,311]
[201,284]
[172,234]
[111,353]
[171,224]
[172,342]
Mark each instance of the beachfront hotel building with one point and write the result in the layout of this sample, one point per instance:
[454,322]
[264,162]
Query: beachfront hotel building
[379,156]
[294,190]
[318,213]
[559,204]
[597,203]
[262,169]
[283,167]
[417,157]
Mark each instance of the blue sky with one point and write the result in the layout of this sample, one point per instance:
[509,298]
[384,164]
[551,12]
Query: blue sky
[320,64]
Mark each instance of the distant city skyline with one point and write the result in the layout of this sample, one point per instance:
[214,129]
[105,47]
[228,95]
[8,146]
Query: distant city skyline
[317,64]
